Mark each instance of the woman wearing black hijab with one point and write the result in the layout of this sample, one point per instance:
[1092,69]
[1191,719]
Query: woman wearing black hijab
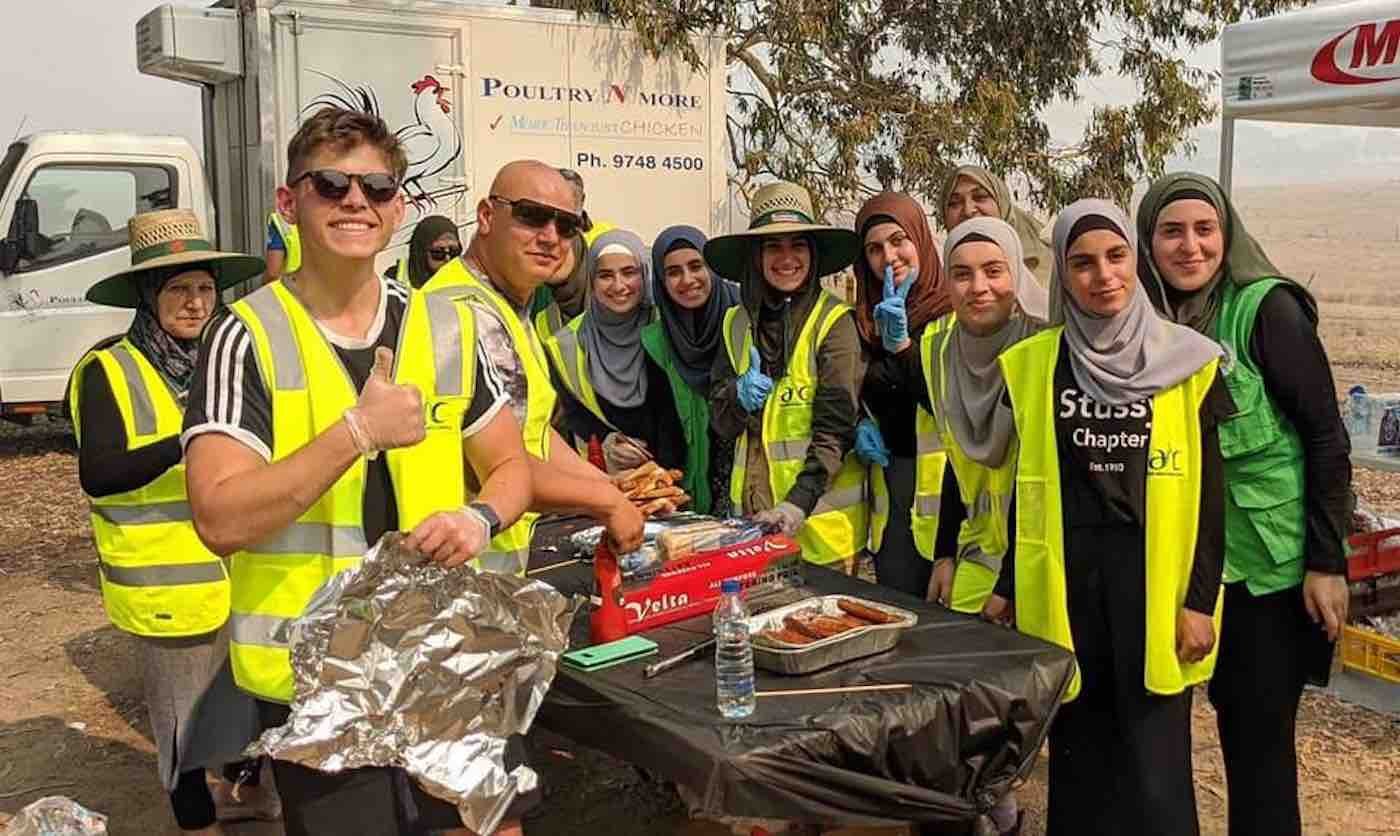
[434,243]
[683,342]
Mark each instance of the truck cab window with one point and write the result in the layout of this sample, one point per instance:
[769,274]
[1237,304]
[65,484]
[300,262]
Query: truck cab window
[84,210]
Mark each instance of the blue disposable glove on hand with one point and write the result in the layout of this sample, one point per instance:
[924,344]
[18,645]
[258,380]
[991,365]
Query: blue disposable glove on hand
[891,315]
[754,385]
[870,445]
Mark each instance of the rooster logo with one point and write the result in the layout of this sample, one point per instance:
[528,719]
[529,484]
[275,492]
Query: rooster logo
[432,142]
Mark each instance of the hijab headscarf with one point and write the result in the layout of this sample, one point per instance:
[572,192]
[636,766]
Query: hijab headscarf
[1035,249]
[1134,354]
[970,397]
[613,341]
[428,230]
[929,298]
[1244,263]
[695,334]
[172,356]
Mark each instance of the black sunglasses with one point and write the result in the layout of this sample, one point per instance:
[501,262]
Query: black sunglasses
[444,253]
[538,216]
[331,184]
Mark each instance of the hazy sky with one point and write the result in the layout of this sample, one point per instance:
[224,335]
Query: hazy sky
[77,69]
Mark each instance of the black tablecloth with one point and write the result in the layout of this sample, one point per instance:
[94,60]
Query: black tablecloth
[941,752]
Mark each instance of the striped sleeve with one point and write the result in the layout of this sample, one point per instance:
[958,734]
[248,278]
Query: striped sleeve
[227,395]
[489,396]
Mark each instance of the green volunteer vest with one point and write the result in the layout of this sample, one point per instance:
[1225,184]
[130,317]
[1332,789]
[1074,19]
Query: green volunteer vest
[694,412]
[1265,522]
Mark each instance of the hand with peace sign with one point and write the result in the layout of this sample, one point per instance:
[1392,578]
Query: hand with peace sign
[890,313]
[754,385]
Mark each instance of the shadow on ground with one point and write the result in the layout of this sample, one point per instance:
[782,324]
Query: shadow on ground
[107,659]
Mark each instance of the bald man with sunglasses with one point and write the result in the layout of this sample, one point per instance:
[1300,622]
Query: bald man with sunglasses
[525,227]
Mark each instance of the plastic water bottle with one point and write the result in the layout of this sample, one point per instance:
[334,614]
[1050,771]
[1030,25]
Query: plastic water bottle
[733,654]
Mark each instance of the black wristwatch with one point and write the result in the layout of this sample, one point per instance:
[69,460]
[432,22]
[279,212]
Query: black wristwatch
[486,512]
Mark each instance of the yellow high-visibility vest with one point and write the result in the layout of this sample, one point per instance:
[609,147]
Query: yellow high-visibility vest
[1173,508]
[455,281]
[157,577]
[274,580]
[837,528]
[291,239]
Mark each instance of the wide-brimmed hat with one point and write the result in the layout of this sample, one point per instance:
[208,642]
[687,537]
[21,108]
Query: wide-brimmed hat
[170,238]
[782,209]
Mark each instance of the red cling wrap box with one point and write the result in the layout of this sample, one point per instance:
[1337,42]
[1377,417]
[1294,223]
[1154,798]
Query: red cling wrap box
[689,587]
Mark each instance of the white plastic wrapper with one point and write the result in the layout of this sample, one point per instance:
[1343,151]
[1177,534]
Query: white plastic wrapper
[400,662]
[55,815]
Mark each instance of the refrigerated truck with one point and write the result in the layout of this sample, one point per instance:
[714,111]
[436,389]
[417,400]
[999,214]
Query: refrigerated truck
[466,86]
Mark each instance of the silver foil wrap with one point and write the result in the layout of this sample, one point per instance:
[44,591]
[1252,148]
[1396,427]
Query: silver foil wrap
[400,662]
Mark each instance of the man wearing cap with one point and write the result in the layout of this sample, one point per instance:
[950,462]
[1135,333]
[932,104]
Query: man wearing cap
[787,385]
[333,406]
[525,225]
[159,583]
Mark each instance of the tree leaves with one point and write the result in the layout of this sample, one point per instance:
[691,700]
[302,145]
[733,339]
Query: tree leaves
[848,97]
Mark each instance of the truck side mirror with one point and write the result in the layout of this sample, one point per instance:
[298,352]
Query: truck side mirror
[23,240]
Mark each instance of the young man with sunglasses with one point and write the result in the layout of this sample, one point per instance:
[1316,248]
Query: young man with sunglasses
[525,226]
[297,392]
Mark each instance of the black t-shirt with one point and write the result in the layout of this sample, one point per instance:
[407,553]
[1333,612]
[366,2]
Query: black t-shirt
[1106,446]
[228,395]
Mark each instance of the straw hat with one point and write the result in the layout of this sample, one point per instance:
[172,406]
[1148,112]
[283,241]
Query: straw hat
[782,208]
[170,238]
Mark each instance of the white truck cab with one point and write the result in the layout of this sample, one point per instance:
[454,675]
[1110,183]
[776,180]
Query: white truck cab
[65,200]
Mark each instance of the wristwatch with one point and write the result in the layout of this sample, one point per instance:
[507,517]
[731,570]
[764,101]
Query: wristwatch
[486,512]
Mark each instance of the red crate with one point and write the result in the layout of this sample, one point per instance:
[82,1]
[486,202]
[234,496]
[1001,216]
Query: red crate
[1371,556]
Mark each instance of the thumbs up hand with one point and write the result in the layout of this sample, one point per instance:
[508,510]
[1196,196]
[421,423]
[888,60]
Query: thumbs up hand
[387,415]
[754,385]
[891,315]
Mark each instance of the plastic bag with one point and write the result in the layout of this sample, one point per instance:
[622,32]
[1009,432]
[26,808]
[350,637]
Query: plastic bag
[56,815]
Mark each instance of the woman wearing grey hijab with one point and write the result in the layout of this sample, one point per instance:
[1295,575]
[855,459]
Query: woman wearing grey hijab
[1119,544]
[610,389]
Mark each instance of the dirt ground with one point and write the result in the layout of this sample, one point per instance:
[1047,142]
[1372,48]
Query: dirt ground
[72,721]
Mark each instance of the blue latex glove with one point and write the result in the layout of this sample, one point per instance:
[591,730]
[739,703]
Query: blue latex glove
[870,445]
[754,385]
[890,313]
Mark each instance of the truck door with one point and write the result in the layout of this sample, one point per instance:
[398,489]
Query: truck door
[407,69]
[46,324]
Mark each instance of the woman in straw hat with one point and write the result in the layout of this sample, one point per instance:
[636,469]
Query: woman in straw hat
[159,583]
[1119,529]
[1288,480]
[787,383]
[972,191]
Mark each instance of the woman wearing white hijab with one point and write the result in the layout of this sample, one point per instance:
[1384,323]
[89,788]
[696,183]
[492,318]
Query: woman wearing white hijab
[610,389]
[1119,529]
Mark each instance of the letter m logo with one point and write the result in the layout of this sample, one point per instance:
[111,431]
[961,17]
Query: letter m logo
[1372,48]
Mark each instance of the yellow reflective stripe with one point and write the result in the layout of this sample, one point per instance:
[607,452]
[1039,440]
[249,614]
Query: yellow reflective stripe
[155,512]
[260,630]
[170,575]
[286,354]
[567,339]
[737,337]
[973,553]
[447,345]
[927,504]
[143,411]
[787,451]
[315,538]
[839,499]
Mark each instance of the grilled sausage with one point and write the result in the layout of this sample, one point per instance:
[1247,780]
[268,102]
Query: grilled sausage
[864,613]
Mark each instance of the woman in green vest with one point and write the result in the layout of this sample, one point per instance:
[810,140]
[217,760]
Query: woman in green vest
[786,386]
[1119,529]
[609,388]
[1288,484]
[972,191]
[684,342]
[159,583]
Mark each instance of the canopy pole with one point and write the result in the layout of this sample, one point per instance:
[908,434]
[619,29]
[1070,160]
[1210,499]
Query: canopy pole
[1227,153]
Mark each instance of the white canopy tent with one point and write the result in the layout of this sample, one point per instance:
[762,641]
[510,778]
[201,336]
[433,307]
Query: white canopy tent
[1331,65]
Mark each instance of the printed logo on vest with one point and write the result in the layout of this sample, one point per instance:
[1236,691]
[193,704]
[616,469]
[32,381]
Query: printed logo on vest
[1166,461]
